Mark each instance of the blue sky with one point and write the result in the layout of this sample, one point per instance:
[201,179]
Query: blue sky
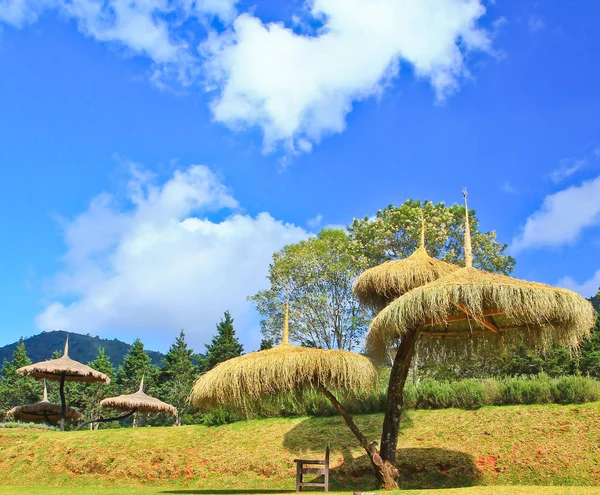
[154,154]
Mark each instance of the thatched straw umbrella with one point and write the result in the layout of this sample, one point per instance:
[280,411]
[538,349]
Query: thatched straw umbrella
[380,285]
[131,404]
[138,402]
[64,369]
[286,368]
[471,307]
[43,412]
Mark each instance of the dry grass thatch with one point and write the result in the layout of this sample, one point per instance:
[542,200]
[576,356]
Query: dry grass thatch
[282,369]
[42,412]
[378,286]
[485,307]
[139,401]
[55,369]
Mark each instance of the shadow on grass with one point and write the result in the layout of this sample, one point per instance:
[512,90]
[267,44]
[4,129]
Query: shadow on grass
[234,492]
[419,467]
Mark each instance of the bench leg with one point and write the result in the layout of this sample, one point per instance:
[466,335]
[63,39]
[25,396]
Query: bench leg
[298,477]
[326,480]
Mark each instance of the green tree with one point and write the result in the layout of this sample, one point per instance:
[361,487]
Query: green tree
[394,234]
[224,345]
[177,377]
[16,390]
[317,275]
[136,364]
[93,393]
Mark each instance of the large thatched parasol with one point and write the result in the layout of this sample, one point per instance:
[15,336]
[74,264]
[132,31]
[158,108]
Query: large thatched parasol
[471,308]
[380,285]
[43,412]
[486,307]
[286,368]
[64,369]
[138,402]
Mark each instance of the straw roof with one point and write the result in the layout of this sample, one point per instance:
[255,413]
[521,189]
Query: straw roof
[42,412]
[55,369]
[140,402]
[282,369]
[487,308]
[378,286]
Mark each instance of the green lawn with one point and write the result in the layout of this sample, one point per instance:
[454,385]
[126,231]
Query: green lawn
[546,445]
[480,490]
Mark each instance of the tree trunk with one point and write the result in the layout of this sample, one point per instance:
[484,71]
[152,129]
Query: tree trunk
[395,398]
[63,403]
[385,472]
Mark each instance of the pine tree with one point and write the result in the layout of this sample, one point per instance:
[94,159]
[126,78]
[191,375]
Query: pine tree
[93,393]
[224,345]
[16,390]
[177,377]
[136,364]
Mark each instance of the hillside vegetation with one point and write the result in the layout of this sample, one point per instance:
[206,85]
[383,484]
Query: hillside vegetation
[82,348]
[522,445]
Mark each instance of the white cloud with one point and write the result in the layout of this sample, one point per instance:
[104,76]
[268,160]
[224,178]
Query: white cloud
[508,188]
[299,87]
[316,222]
[156,263]
[562,217]
[536,24]
[295,85]
[142,27]
[568,167]
[589,288]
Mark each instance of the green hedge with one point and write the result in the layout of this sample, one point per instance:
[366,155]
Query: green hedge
[425,394]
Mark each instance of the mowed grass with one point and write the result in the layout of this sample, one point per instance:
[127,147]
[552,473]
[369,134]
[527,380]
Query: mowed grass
[480,490]
[511,445]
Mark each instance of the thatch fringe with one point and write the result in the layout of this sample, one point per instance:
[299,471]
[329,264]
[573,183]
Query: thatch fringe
[378,286]
[282,369]
[541,314]
[139,401]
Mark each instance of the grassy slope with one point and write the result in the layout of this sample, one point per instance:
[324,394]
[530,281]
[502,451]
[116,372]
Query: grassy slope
[521,445]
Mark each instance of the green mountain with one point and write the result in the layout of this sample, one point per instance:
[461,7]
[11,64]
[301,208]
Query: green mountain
[82,348]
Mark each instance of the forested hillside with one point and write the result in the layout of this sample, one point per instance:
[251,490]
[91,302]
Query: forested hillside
[82,348]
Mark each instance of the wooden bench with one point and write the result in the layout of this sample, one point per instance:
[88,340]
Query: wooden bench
[307,466]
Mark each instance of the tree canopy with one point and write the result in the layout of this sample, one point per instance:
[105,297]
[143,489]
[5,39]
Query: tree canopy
[316,275]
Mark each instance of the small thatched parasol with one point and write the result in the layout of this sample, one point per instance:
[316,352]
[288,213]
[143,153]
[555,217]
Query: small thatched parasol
[64,369]
[380,285]
[138,402]
[43,412]
[487,308]
[282,369]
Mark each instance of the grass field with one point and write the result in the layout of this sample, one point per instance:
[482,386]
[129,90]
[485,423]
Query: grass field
[511,445]
[479,490]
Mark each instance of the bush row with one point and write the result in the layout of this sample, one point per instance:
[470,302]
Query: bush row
[425,394]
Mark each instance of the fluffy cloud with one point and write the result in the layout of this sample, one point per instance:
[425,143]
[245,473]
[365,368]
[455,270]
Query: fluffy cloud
[299,87]
[589,288]
[296,85]
[568,167]
[562,217]
[156,263]
[143,27]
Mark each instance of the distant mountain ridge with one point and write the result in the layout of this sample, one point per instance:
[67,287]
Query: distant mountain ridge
[82,348]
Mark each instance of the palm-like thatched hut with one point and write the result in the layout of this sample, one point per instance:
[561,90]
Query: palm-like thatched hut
[286,368]
[43,412]
[473,308]
[381,284]
[64,369]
